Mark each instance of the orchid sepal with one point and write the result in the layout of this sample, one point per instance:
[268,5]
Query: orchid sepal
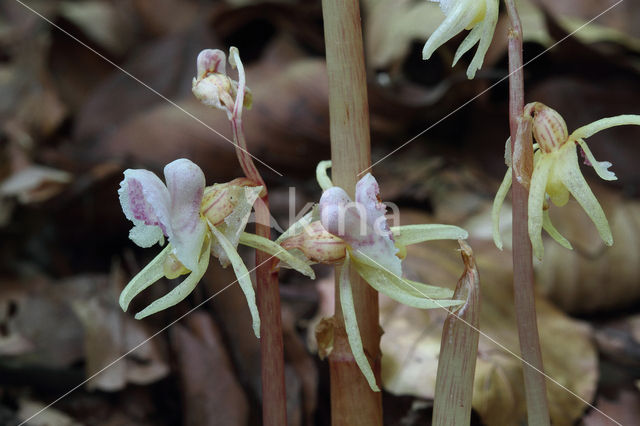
[289,260]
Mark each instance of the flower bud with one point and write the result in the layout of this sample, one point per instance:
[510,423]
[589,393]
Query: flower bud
[317,244]
[173,268]
[212,86]
[549,128]
[220,199]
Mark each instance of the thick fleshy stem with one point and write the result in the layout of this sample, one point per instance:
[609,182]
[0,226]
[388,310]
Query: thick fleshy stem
[274,407]
[352,400]
[535,387]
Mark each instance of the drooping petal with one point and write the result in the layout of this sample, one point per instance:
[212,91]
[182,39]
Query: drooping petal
[149,275]
[404,291]
[488,26]
[414,234]
[234,224]
[351,325]
[146,202]
[497,206]
[181,291]
[569,172]
[272,248]
[242,274]
[553,232]
[604,123]
[186,182]
[601,167]
[536,202]
[459,16]
[362,225]
[321,175]
[469,41]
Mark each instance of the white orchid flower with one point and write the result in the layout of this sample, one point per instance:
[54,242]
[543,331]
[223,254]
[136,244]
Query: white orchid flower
[479,16]
[356,235]
[198,222]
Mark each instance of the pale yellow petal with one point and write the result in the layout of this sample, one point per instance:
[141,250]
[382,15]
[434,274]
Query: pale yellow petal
[413,234]
[604,123]
[242,274]
[181,291]
[149,275]
[536,202]
[321,175]
[268,246]
[403,291]
[547,225]
[351,325]
[601,167]
[571,176]
[497,206]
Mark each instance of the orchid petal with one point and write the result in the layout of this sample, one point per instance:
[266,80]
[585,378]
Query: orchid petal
[401,290]
[211,61]
[351,325]
[553,232]
[181,291]
[146,202]
[536,201]
[414,234]
[470,40]
[458,18]
[497,206]
[604,123]
[300,225]
[143,279]
[601,167]
[321,175]
[272,248]
[235,223]
[488,26]
[571,176]
[362,225]
[242,274]
[185,182]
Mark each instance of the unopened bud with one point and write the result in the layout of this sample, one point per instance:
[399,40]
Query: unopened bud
[549,128]
[317,244]
[220,199]
[212,86]
[173,268]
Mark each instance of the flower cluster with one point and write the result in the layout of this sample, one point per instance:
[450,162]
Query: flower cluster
[556,174]
[479,16]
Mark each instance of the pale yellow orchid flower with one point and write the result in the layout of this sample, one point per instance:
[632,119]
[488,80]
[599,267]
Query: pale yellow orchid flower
[556,174]
[479,16]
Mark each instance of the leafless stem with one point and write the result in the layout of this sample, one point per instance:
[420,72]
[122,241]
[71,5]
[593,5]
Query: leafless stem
[535,387]
[352,400]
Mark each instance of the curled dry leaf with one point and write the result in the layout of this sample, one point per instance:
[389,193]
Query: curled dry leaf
[34,184]
[412,337]
[459,349]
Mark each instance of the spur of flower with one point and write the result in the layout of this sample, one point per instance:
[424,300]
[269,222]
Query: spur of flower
[355,235]
[198,222]
[556,174]
[479,16]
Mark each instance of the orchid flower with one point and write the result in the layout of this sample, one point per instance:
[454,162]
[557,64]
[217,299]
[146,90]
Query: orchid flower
[356,235]
[479,16]
[556,174]
[198,221]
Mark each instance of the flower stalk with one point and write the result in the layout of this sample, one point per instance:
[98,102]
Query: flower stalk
[353,402]
[535,387]
[274,408]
